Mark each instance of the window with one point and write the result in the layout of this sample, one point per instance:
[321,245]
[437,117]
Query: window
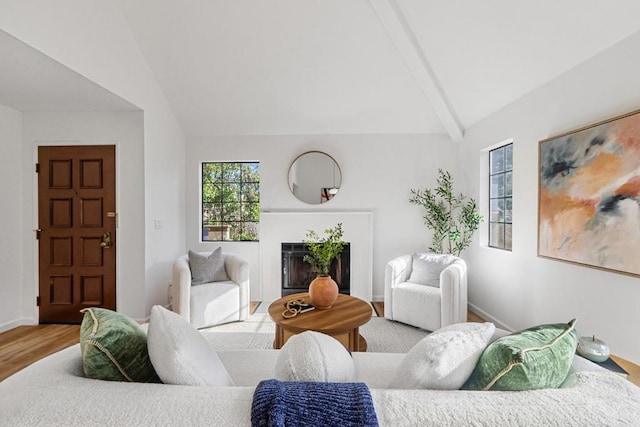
[230,201]
[500,196]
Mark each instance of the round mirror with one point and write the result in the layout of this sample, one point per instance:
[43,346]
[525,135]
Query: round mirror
[314,177]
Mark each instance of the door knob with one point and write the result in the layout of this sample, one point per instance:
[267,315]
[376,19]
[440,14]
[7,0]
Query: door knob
[106,240]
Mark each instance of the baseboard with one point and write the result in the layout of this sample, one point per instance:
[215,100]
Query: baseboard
[30,321]
[489,318]
[18,322]
[146,319]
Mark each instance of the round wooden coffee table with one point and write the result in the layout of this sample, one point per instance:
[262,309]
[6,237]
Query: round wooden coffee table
[342,321]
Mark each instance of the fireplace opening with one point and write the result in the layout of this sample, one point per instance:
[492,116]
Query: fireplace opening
[297,274]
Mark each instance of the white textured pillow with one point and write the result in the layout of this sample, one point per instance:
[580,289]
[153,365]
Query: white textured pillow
[314,356]
[426,268]
[180,354]
[207,268]
[444,359]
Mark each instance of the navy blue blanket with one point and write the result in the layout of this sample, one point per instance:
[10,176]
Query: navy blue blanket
[293,403]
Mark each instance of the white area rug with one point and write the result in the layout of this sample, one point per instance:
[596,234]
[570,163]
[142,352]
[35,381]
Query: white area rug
[382,335]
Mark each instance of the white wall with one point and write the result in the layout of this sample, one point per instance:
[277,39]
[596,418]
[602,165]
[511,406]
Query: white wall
[518,288]
[125,130]
[378,172]
[92,39]
[11,219]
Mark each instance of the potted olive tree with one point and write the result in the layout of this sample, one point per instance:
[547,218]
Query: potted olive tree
[323,290]
[453,218]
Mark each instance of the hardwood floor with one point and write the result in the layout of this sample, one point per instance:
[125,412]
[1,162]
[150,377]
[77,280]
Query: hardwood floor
[21,346]
[378,307]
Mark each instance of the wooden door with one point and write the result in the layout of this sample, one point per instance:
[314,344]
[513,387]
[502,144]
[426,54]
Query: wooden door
[77,231]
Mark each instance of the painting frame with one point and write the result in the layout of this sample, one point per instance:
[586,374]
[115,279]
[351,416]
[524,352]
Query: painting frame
[589,195]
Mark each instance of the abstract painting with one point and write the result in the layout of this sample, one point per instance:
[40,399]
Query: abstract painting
[589,195]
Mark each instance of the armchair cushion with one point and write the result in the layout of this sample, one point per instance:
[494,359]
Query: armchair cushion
[426,268]
[207,268]
[417,305]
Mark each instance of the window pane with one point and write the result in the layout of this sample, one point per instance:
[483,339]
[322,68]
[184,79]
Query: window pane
[497,186]
[211,193]
[232,172]
[508,157]
[216,232]
[252,230]
[508,215]
[250,172]
[211,172]
[250,192]
[508,183]
[245,230]
[238,231]
[497,160]
[230,193]
[231,212]
[507,237]
[250,212]
[496,235]
[211,213]
[234,232]
[497,210]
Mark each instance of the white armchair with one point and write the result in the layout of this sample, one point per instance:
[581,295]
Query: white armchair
[435,295]
[211,303]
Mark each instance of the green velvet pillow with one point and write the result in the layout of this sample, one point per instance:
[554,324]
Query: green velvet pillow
[535,358]
[114,347]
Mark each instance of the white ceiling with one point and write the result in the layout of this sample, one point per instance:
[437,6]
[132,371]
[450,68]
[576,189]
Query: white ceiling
[334,66]
[343,66]
[31,81]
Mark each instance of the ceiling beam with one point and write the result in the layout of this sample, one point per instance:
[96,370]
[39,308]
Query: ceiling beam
[402,35]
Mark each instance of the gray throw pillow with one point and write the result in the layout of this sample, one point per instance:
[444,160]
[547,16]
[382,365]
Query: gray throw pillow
[426,268]
[207,268]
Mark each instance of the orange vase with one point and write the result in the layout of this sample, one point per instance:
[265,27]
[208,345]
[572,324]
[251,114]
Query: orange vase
[323,291]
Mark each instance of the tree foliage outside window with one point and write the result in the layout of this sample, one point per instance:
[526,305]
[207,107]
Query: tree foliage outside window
[501,197]
[230,201]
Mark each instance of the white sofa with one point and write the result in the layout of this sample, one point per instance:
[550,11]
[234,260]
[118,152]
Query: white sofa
[212,303]
[54,392]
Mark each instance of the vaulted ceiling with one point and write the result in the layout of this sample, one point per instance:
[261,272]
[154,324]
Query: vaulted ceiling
[362,66]
[31,81]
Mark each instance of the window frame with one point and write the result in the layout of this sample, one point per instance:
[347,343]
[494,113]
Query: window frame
[506,197]
[242,186]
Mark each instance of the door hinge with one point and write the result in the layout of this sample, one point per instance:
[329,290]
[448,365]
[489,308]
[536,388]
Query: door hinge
[38,301]
[37,167]
[37,233]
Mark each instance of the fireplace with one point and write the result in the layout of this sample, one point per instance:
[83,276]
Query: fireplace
[297,274]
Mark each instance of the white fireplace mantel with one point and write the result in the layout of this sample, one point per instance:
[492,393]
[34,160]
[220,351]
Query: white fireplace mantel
[286,226]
